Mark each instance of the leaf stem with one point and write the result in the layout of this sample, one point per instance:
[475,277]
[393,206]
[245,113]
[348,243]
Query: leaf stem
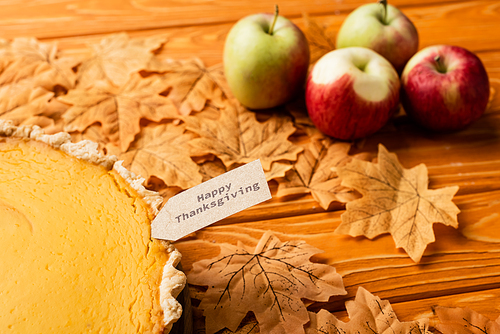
[276,13]
[384,6]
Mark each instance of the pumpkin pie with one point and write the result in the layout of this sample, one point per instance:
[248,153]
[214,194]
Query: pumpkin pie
[77,254]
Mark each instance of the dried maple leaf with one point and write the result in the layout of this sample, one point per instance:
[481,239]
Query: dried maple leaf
[26,58]
[312,173]
[321,38]
[238,138]
[368,314]
[116,57]
[269,281]
[31,74]
[211,169]
[397,201]
[191,84]
[118,109]
[22,100]
[162,150]
[465,320]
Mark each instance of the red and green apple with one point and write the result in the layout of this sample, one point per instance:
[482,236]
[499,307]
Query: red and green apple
[352,92]
[266,59]
[382,28]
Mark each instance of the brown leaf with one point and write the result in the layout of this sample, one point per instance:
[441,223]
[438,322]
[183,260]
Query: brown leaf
[321,38]
[117,57]
[161,150]
[465,320]
[368,314]
[397,201]
[31,73]
[238,138]
[118,109]
[21,100]
[191,84]
[269,281]
[312,173]
[211,168]
[27,59]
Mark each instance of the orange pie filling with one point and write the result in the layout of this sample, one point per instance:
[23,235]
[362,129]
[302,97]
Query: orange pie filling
[77,253]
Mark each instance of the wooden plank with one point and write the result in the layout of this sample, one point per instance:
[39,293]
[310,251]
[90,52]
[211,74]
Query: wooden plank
[451,265]
[53,19]
[484,302]
[447,24]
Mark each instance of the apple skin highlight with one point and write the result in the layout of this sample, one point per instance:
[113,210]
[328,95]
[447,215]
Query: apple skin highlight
[446,101]
[351,121]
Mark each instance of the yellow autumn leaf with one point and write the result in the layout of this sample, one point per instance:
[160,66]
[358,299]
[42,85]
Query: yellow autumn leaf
[116,57]
[118,109]
[31,74]
[162,150]
[191,85]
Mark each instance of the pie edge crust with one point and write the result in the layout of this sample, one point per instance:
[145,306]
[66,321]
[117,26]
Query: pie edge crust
[173,280]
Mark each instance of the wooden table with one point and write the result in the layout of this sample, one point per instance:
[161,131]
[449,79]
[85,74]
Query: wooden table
[454,271]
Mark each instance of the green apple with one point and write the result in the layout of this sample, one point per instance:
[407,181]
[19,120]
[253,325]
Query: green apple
[382,28]
[266,58]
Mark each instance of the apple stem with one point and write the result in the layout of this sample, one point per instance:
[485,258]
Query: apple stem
[384,6]
[439,64]
[276,12]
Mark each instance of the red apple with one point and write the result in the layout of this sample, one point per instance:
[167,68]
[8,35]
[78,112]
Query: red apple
[352,92]
[444,87]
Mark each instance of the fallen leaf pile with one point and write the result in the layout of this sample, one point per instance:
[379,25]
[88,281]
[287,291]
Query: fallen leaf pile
[174,122]
[368,314]
[269,280]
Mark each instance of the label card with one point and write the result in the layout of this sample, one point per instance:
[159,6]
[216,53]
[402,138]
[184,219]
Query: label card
[211,201]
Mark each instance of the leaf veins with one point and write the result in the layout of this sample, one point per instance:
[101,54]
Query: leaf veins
[118,109]
[116,57]
[31,74]
[238,138]
[269,281]
[312,172]
[368,314]
[191,85]
[465,320]
[397,201]
[162,151]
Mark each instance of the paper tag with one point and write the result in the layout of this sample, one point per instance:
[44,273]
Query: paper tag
[211,201]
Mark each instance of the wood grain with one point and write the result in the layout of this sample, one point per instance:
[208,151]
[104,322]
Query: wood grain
[459,269]
[54,19]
